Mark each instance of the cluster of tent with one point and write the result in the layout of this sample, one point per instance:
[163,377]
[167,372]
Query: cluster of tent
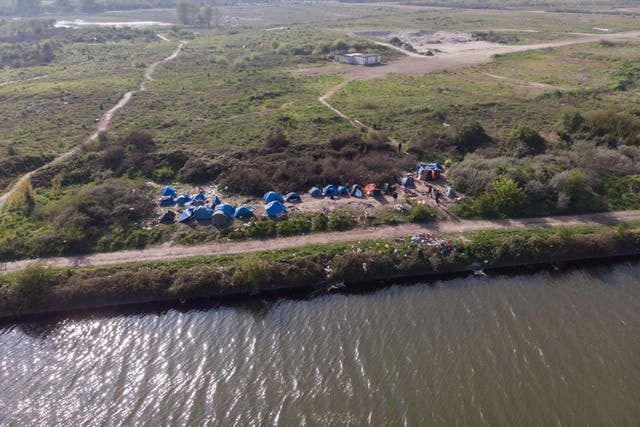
[342,191]
[274,203]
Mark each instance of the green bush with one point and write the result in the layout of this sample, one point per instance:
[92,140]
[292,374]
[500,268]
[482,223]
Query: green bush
[319,222]
[262,229]
[253,271]
[341,220]
[421,213]
[294,226]
[32,282]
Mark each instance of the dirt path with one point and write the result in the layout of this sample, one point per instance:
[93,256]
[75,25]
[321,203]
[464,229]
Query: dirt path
[525,83]
[103,124]
[171,253]
[12,82]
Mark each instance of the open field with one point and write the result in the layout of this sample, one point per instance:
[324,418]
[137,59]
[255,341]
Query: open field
[240,108]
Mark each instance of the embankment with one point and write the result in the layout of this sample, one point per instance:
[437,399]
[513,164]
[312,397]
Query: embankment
[42,289]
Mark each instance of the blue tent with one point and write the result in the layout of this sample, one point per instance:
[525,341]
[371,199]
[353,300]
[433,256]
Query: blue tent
[407,181]
[315,192]
[330,190]
[167,201]
[215,202]
[293,198]
[168,192]
[244,210]
[342,191]
[202,213]
[227,209]
[186,215]
[271,196]
[183,200]
[275,209]
[198,197]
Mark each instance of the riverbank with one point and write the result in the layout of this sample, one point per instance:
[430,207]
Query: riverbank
[41,289]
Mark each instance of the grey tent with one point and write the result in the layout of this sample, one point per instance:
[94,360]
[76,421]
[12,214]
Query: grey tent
[220,219]
[356,191]
[450,193]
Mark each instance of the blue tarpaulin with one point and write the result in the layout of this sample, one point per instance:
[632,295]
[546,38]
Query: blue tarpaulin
[315,192]
[202,213]
[227,209]
[168,192]
[275,209]
[183,200]
[271,196]
[242,211]
[330,190]
[167,201]
[293,198]
[186,215]
[215,202]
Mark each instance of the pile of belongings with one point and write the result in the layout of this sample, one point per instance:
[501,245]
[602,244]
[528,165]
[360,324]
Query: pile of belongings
[429,171]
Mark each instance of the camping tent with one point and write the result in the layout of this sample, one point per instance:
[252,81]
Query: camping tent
[186,215]
[372,190]
[168,192]
[215,202]
[227,209]
[450,193]
[315,192]
[202,213]
[243,211]
[271,196]
[167,201]
[275,209]
[356,191]
[293,198]
[342,191]
[183,200]
[220,219]
[330,191]
[407,182]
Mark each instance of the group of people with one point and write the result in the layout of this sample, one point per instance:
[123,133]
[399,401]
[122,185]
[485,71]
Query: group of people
[434,193]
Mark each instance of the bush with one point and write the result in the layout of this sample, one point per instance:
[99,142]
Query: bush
[341,220]
[528,141]
[294,226]
[319,222]
[421,213]
[32,282]
[262,229]
[358,266]
[253,271]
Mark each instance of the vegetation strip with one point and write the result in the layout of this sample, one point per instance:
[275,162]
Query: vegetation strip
[39,288]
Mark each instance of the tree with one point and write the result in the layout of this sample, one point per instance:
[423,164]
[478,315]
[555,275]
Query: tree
[28,7]
[46,54]
[528,141]
[206,15]
[507,197]
[187,12]
[470,137]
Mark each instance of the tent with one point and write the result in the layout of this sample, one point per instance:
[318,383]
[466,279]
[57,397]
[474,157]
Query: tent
[342,191]
[429,171]
[407,182]
[243,211]
[202,213]
[356,191]
[293,198]
[220,219]
[372,190]
[227,209]
[198,197]
[330,191]
[271,196]
[215,202]
[450,193]
[186,215]
[275,209]
[315,192]
[183,200]
[167,201]
[169,192]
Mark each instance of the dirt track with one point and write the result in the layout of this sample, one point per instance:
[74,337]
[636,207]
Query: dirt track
[104,122]
[170,253]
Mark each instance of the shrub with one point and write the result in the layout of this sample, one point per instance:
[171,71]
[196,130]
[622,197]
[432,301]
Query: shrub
[22,199]
[357,266]
[252,271]
[421,213]
[32,282]
[528,141]
[470,137]
[319,222]
[294,226]
[507,197]
[341,220]
[262,229]
[164,174]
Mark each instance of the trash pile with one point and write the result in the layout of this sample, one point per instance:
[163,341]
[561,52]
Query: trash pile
[446,247]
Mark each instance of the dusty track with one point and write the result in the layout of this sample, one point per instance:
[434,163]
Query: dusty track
[172,253]
[103,124]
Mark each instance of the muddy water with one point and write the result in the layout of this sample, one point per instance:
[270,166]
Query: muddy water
[537,349]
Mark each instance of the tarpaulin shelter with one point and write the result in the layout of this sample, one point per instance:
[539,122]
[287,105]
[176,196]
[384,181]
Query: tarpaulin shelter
[221,219]
[270,196]
[167,201]
[356,191]
[315,192]
[168,191]
[372,190]
[243,211]
[187,215]
[429,171]
[183,200]
[202,213]
[275,209]
[227,209]
[330,191]
[293,197]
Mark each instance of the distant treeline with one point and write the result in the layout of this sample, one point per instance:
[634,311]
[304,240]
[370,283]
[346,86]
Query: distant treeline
[37,7]
[566,5]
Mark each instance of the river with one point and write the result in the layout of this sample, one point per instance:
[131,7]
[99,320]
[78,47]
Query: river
[536,349]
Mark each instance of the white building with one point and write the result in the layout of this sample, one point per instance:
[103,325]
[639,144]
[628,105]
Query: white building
[358,58]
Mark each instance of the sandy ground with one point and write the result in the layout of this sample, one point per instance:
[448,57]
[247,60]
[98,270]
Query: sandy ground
[171,253]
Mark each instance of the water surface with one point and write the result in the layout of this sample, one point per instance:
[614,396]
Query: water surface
[536,349]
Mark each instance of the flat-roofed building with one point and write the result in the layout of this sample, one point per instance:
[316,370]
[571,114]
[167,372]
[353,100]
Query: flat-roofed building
[358,58]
